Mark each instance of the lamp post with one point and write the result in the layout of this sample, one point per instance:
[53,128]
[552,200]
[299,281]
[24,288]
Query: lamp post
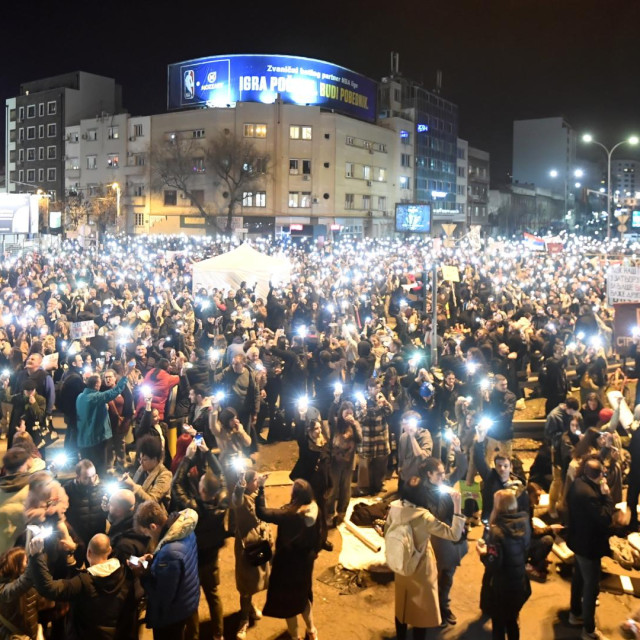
[632,140]
[116,186]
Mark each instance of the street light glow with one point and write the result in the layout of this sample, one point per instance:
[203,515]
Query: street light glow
[553,173]
[578,173]
[633,140]
[587,137]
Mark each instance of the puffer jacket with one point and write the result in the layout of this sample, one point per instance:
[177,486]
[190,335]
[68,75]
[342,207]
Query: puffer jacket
[172,584]
[19,605]
[85,509]
[161,387]
[103,601]
[13,494]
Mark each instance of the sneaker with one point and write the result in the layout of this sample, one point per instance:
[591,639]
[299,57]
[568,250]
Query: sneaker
[241,634]
[575,621]
[327,546]
[535,574]
[596,635]
[449,617]
[256,614]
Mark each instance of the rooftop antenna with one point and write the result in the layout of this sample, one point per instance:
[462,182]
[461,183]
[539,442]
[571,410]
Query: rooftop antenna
[395,63]
[438,81]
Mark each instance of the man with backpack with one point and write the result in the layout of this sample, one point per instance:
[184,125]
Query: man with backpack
[211,503]
[558,422]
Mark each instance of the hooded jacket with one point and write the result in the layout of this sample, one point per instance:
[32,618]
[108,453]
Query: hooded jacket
[13,494]
[94,425]
[172,584]
[103,601]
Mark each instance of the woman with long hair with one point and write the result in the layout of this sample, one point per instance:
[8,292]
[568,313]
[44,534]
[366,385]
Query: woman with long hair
[299,539]
[505,584]
[18,598]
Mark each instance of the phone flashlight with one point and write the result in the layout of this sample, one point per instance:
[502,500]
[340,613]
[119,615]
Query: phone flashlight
[338,388]
[239,465]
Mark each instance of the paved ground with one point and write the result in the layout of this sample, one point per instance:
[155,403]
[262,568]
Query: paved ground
[368,614]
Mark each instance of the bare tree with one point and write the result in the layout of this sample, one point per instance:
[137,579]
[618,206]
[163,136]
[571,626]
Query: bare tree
[76,210]
[99,208]
[236,167]
[175,164]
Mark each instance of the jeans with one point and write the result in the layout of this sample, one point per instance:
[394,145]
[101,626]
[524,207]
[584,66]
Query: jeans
[341,473]
[585,585]
[445,582]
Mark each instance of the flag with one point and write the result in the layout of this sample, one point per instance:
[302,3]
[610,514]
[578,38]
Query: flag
[533,242]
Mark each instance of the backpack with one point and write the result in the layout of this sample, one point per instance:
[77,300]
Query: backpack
[401,553]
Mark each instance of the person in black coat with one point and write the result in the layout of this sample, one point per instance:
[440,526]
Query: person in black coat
[634,479]
[85,498]
[72,386]
[125,540]
[590,510]
[505,584]
[211,502]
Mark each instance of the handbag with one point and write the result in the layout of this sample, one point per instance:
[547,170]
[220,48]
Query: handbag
[258,552]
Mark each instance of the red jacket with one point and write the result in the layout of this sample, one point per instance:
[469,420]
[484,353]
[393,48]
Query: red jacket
[159,388]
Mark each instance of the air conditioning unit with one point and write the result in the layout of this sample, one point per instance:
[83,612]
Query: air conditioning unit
[315,201]
[132,138]
[306,177]
[369,183]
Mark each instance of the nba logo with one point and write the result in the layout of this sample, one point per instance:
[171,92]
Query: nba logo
[189,85]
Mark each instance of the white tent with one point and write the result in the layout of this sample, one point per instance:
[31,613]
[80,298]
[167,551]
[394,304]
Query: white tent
[242,264]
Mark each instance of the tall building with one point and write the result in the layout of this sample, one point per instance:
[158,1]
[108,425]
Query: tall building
[478,177]
[544,153]
[36,122]
[435,135]
[462,169]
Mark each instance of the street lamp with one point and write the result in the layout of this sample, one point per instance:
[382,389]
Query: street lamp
[116,186]
[632,140]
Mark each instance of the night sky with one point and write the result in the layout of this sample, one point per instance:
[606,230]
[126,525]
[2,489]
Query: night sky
[501,59]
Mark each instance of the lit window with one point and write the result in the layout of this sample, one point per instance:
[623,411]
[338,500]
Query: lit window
[366,202]
[366,172]
[294,199]
[92,162]
[92,134]
[247,199]
[113,160]
[113,133]
[307,133]
[348,169]
[198,165]
[255,130]
[382,175]
[294,132]
[305,199]
[139,219]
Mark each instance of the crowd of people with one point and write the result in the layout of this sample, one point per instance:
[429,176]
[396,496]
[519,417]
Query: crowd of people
[169,394]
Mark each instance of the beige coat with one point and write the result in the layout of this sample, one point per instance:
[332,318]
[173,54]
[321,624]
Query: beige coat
[417,594]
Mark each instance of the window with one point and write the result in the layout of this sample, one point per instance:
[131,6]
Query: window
[137,130]
[51,153]
[40,131]
[348,169]
[255,130]
[198,133]
[21,175]
[74,137]
[260,165]
[305,199]
[51,108]
[31,154]
[254,199]
[460,172]
[381,174]
[138,190]
[350,140]
[73,164]
[366,172]
[51,130]
[405,137]
[92,162]
[41,110]
[40,175]
[293,167]
[21,135]
[40,153]
[113,133]
[405,159]
[20,155]
[20,114]
[298,132]
[92,134]
[306,167]
[348,200]
[31,175]
[113,160]
[31,111]
[139,160]
[198,165]
[170,198]
[396,95]
[139,219]
[382,203]
[31,133]
[405,182]
[197,198]
[294,199]
[366,202]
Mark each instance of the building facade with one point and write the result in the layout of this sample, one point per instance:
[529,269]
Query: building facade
[462,169]
[478,177]
[36,123]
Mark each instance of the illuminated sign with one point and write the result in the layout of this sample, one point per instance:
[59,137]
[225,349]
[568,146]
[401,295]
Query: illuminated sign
[422,128]
[635,219]
[413,218]
[336,227]
[296,227]
[221,81]
[19,213]
[438,194]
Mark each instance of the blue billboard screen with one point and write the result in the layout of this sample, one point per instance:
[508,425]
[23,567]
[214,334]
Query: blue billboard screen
[635,219]
[413,218]
[220,81]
